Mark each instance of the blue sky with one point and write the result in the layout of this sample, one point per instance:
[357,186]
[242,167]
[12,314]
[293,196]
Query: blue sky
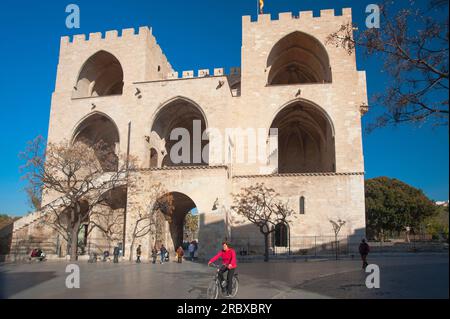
[193,34]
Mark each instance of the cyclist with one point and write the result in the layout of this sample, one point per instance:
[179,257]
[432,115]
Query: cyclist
[229,265]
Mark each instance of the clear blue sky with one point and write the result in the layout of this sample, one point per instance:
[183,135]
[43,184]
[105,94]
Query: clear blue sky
[193,34]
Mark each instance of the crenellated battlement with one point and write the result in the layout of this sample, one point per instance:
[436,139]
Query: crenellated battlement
[234,71]
[303,16]
[122,44]
[112,35]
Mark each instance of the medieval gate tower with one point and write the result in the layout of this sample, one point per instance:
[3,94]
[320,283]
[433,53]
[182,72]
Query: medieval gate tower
[120,88]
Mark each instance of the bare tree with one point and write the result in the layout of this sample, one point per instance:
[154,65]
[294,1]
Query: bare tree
[158,204]
[337,225]
[74,175]
[260,205]
[413,42]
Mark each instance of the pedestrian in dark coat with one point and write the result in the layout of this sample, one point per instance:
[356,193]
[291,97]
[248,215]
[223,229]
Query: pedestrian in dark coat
[364,251]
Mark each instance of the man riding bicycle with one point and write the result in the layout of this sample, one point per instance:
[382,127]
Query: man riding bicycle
[229,264]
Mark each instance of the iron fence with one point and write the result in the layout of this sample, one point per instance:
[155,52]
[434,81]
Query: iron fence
[330,246]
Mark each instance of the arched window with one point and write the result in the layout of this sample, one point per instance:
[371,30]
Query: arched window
[298,58]
[302,205]
[281,235]
[101,75]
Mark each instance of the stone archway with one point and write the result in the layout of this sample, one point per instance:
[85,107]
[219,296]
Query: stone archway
[180,116]
[101,75]
[100,132]
[305,139]
[172,231]
[298,58]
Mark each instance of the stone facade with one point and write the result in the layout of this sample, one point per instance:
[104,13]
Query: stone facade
[288,75]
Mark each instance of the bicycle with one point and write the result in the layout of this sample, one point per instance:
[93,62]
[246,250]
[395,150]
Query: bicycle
[215,287]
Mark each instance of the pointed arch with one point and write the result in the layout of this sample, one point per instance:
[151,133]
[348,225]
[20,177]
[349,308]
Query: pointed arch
[99,130]
[184,114]
[305,138]
[100,75]
[298,58]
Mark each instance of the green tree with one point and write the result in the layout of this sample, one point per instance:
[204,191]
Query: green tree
[392,205]
[191,225]
[437,226]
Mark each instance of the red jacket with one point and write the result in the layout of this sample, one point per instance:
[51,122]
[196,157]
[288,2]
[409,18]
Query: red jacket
[228,258]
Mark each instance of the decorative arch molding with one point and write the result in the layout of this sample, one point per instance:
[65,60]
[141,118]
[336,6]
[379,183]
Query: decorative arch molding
[306,102]
[78,126]
[174,99]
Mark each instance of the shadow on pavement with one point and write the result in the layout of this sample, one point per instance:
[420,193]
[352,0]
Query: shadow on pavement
[15,282]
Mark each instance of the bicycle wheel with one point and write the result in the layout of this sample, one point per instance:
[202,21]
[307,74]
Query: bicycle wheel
[235,289]
[213,290]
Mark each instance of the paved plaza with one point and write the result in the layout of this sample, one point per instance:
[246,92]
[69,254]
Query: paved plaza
[402,276]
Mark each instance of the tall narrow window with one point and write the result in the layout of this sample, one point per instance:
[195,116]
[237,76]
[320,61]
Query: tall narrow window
[302,205]
[281,235]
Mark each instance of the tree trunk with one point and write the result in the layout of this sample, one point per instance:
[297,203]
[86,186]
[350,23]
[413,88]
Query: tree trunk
[74,244]
[336,246]
[130,258]
[266,247]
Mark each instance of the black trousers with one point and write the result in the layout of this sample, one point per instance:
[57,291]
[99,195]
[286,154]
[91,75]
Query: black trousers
[230,276]
[364,260]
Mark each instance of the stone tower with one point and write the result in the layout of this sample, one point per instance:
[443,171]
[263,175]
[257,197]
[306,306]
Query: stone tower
[122,90]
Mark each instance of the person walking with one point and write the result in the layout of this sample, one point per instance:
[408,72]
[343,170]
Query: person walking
[364,251]
[191,250]
[180,254]
[138,254]
[163,252]
[154,254]
[116,254]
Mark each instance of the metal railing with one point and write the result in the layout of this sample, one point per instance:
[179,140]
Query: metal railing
[328,246]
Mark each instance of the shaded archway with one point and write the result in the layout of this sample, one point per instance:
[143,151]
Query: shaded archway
[181,116]
[182,205]
[99,132]
[305,139]
[100,75]
[281,235]
[107,221]
[298,58]
[153,158]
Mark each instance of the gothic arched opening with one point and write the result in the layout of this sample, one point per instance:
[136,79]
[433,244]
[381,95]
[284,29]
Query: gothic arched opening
[187,123]
[281,235]
[101,75]
[305,139]
[298,58]
[100,133]
[175,217]
[107,220]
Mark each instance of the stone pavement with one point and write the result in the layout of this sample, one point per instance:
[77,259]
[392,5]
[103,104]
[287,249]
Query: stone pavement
[402,276]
